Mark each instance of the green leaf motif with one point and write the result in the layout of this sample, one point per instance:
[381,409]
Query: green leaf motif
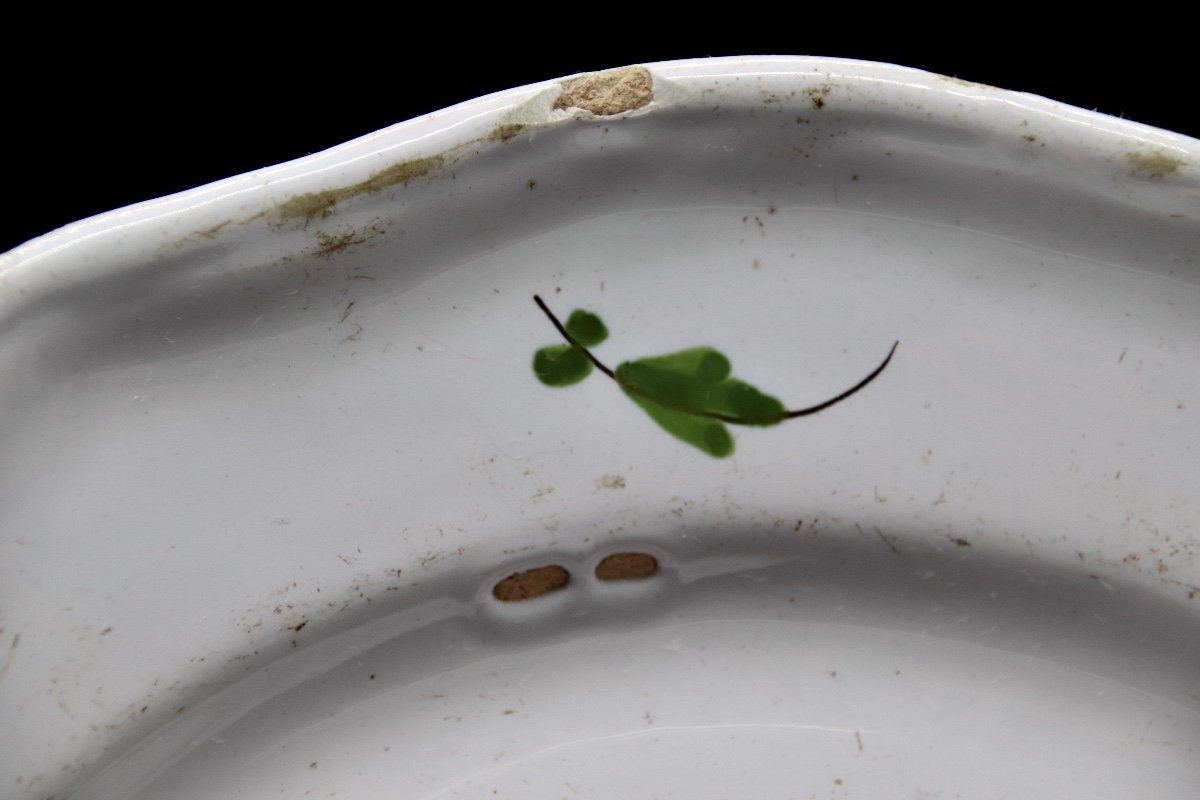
[691,394]
[561,365]
[709,435]
[586,327]
[684,391]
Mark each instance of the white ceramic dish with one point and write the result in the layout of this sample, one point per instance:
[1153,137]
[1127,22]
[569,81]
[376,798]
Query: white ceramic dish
[270,446]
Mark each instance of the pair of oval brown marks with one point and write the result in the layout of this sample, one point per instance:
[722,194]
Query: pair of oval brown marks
[538,581]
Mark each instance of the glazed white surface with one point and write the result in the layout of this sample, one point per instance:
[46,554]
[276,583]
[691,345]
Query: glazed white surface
[247,449]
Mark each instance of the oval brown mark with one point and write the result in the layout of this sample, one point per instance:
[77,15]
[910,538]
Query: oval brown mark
[626,567]
[531,583]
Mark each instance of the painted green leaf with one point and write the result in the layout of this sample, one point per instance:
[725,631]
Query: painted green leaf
[701,364]
[561,365]
[708,435]
[698,381]
[681,391]
[691,394]
[587,328]
[739,399]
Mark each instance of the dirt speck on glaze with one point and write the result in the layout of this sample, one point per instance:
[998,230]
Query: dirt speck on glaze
[817,95]
[12,649]
[531,583]
[502,133]
[1156,163]
[319,204]
[330,243]
[212,231]
[964,83]
[626,567]
[607,93]
[610,482]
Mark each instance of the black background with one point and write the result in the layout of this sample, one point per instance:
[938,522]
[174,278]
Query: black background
[136,119]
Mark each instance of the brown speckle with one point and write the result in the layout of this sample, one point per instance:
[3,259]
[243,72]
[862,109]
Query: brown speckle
[298,628]
[890,544]
[610,482]
[531,184]
[959,542]
[1155,163]
[211,232]
[967,84]
[531,583]
[330,243]
[607,93]
[502,133]
[321,204]
[626,567]
[313,765]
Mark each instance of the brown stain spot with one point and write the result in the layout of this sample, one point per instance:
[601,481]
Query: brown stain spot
[332,243]
[531,184]
[502,133]
[963,83]
[959,542]
[298,628]
[817,96]
[883,537]
[211,232]
[626,567]
[1155,163]
[321,204]
[610,482]
[606,93]
[531,583]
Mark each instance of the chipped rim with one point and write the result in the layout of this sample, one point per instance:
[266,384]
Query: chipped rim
[414,147]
